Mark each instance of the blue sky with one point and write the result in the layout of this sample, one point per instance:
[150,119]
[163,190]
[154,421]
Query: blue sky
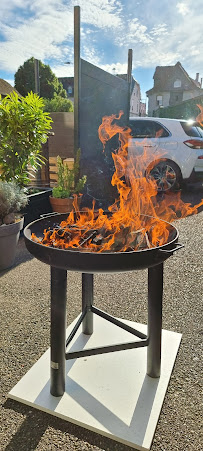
[160,33]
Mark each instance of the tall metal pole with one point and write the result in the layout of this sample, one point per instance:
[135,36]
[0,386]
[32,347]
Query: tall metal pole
[77,79]
[129,77]
[37,91]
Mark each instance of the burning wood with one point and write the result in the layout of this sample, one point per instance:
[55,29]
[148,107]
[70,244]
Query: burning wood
[95,240]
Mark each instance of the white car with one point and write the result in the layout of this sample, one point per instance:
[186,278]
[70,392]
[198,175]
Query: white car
[174,147]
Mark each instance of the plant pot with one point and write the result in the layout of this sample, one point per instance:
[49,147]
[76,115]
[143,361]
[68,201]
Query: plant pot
[9,236]
[38,204]
[63,205]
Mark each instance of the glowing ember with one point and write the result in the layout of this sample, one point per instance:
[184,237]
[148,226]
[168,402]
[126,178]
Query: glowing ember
[124,227]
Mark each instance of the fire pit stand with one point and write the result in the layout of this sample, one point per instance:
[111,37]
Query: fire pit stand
[109,394]
[58,325]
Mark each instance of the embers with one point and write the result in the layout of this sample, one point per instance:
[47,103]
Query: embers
[96,240]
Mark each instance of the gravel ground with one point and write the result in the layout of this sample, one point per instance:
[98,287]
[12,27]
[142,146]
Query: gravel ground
[24,337]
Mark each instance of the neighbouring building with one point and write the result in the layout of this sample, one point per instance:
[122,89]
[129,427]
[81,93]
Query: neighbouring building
[6,88]
[137,107]
[172,85]
[143,109]
[68,85]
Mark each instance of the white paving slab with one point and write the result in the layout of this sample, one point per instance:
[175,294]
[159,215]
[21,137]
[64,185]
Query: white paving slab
[110,393]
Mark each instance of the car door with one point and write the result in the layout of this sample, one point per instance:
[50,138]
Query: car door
[145,140]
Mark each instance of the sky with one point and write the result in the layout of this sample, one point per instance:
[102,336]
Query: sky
[160,33]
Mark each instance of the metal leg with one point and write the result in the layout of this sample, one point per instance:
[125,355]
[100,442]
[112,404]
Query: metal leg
[155,292]
[58,330]
[87,302]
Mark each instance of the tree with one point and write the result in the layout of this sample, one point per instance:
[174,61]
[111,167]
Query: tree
[49,84]
[57,104]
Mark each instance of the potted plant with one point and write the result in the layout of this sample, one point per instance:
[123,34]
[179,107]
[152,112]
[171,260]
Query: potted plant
[24,127]
[69,186]
[12,199]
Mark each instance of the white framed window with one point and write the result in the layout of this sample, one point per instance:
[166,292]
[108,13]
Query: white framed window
[159,100]
[177,83]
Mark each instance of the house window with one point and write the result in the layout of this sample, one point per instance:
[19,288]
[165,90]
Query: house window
[177,83]
[159,100]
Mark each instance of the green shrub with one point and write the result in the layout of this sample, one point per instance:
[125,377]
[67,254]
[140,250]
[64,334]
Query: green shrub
[58,104]
[24,126]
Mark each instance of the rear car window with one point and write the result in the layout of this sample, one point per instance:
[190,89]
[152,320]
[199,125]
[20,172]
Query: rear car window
[147,129]
[192,129]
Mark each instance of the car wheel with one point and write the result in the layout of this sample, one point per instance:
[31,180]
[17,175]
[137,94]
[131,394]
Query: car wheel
[166,174]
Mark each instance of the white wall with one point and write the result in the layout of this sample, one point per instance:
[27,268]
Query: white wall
[135,100]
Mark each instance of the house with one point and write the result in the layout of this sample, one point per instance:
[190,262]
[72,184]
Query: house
[135,98]
[68,85]
[137,108]
[6,88]
[172,85]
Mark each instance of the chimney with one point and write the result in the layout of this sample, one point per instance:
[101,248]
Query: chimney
[197,77]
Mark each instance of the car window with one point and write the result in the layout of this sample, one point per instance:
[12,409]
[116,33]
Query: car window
[147,129]
[192,129]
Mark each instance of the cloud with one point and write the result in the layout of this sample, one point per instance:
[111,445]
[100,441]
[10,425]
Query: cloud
[63,70]
[182,8]
[100,13]
[159,30]
[39,37]
[114,68]
[42,28]
[159,34]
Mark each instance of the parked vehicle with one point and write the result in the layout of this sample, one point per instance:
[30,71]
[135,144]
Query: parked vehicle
[174,149]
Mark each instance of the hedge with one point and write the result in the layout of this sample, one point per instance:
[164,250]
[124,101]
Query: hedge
[185,110]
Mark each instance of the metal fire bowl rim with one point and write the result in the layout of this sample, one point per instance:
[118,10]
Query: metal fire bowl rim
[27,234]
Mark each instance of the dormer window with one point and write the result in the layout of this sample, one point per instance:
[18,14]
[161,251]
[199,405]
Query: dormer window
[177,83]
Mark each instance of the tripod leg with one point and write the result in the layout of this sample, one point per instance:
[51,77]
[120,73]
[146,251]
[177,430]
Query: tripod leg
[155,293]
[58,330]
[87,301]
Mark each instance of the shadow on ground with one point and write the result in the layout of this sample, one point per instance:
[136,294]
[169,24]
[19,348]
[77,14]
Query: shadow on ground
[40,421]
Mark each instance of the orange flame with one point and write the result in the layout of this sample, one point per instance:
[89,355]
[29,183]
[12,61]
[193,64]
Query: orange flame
[199,118]
[125,226]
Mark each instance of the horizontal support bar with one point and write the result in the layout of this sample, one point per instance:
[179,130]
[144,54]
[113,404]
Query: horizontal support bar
[106,349]
[117,322]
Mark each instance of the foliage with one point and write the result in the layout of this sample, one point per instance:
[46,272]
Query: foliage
[67,184]
[12,199]
[49,83]
[58,104]
[184,110]
[23,128]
